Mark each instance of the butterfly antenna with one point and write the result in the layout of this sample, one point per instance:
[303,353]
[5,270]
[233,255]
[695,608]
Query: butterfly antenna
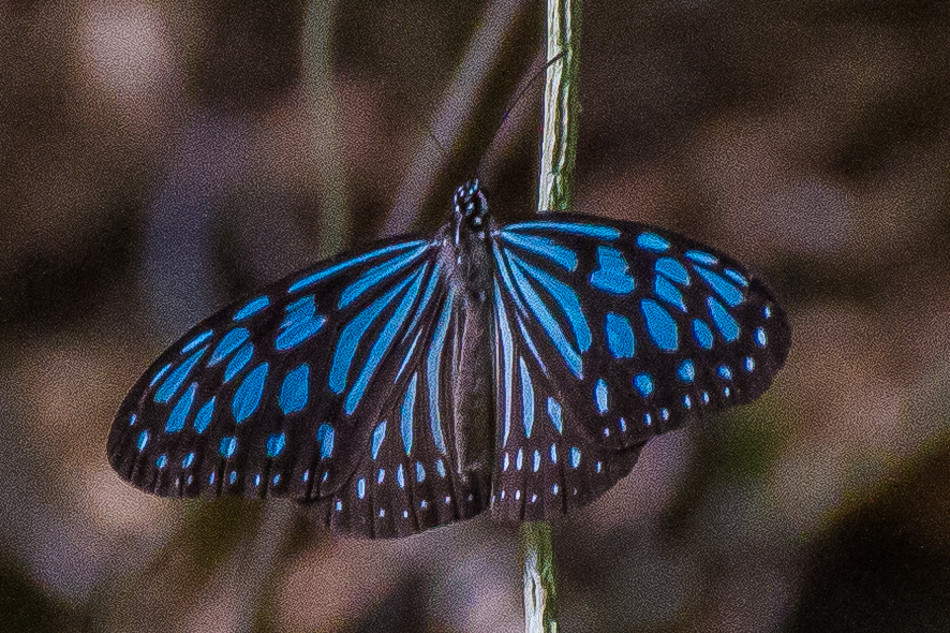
[524,89]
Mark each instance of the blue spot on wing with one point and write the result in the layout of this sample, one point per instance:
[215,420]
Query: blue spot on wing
[325,435]
[170,387]
[652,242]
[239,361]
[660,325]
[300,323]
[248,394]
[176,420]
[619,333]
[613,272]
[198,340]
[275,445]
[251,308]
[203,419]
[231,341]
[732,295]
[295,388]
[672,269]
[727,325]
[527,399]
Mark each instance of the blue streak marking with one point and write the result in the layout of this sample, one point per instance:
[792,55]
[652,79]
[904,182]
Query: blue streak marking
[400,476]
[737,277]
[544,246]
[142,441]
[544,316]
[501,318]
[554,412]
[619,333]
[426,296]
[361,488]
[383,343]
[420,473]
[652,242]
[433,372]
[530,342]
[158,375]
[668,292]
[724,372]
[161,461]
[702,258]
[377,274]
[590,230]
[300,323]
[198,340]
[248,394]
[600,395]
[294,391]
[231,341]
[702,334]
[188,461]
[527,399]
[176,420]
[760,338]
[325,436]
[672,269]
[252,307]
[378,436]
[566,298]
[405,360]
[407,414]
[175,379]
[440,467]
[731,294]
[613,272]
[240,359]
[728,326]
[203,419]
[352,334]
[660,325]
[228,446]
[332,270]
[644,384]
[275,445]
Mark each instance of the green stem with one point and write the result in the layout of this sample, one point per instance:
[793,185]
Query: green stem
[558,147]
[561,107]
[540,589]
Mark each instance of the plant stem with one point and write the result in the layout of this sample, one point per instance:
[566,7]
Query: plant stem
[558,148]
[561,106]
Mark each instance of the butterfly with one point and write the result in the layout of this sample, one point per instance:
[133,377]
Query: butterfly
[421,380]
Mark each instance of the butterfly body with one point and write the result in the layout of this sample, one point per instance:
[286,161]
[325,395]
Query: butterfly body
[422,380]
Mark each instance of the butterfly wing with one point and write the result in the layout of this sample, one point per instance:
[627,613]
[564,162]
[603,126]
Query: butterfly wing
[608,333]
[283,394]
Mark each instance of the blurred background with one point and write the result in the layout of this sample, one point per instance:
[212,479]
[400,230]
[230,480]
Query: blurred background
[158,159]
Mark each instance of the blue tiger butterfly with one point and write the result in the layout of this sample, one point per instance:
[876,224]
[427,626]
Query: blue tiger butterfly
[420,380]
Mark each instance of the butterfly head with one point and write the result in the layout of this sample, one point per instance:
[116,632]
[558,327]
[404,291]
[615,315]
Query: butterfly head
[471,209]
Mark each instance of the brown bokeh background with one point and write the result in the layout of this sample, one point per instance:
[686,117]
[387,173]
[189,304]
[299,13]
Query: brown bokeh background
[158,159]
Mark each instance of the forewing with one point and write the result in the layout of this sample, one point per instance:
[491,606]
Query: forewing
[609,333]
[281,394]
